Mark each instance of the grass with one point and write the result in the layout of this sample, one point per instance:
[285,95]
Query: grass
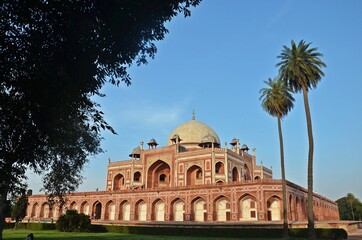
[52,234]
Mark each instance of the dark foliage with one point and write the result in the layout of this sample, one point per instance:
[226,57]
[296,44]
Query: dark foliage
[350,208]
[31,226]
[222,232]
[72,221]
[18,211]
[54,56]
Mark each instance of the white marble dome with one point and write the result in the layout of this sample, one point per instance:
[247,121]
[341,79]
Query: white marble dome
[193,131]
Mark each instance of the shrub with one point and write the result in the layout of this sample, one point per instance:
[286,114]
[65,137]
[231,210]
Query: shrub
[322,233]
[72,221]
[222,232]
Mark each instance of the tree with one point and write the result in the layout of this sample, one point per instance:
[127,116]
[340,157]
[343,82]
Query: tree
[18,211]
[72,221]
[277,101]
[54,56]
[350,208]
[300,67]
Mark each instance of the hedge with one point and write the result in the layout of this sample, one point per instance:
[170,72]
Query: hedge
[322,233]
[222,232]
[31,226]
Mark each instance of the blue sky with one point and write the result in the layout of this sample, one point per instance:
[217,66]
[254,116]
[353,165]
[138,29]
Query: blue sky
[215,62]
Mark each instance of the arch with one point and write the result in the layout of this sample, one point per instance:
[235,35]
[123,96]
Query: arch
[44,210]
[291,208]
[137,176]
[158,210]
[125,211]
[55,211]
[178,210]
[84,208]
[110,211]
[199,211]
[159,175]
[141,210]
[247,175]
[194,175]
[274,208]
[219,168]
[235,174]
[298,214]
[35,210]
[97,210]
[222,209]
[257,178]
[248,208]
[118,182]
[73,206]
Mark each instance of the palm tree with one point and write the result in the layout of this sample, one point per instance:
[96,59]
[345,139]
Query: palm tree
[300,67]
[277,100]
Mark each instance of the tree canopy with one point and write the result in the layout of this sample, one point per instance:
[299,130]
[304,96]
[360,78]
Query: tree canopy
[276,98]
[54,56]
[350,208]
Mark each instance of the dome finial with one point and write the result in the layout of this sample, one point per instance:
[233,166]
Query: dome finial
[193,114]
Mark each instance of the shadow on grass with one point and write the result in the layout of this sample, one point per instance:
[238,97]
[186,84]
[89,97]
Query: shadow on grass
[52,234]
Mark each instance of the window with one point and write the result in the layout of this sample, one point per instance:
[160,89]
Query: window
[162,177]
[137,176]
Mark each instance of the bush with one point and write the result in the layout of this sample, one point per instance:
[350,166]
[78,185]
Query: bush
[222,232]
[72,221]
[322,233]
[9,225]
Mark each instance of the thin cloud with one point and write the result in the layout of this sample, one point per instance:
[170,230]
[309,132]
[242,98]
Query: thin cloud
[142,113]
[280,14]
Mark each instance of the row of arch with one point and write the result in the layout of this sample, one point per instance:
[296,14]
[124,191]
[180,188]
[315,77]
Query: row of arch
[159,175]
[177,210]
[297,209]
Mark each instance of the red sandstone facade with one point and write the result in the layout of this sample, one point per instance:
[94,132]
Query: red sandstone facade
[190,179]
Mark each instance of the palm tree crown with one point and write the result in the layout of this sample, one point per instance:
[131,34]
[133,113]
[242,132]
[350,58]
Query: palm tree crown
[300,66]
[276,98]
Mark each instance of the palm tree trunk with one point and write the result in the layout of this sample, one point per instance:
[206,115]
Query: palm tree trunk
[311,230]
[284,187]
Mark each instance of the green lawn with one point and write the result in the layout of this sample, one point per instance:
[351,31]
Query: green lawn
[52,234]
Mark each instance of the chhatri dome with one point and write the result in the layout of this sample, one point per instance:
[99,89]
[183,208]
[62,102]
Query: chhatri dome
[193,132]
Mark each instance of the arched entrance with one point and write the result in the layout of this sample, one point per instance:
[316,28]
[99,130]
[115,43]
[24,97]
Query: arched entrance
[141,208]
[199,209]
[137,177]
[84,208]
[178,210]
[125,211]
[219,168]
[274,209]
[248,209]
[118,182]
[299,213]
[222,208]
[44,212]
[235,175]
[35,211]
[194,175]
[110,211]
[97,210]
[73,206]
[159,175]
[159,210]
